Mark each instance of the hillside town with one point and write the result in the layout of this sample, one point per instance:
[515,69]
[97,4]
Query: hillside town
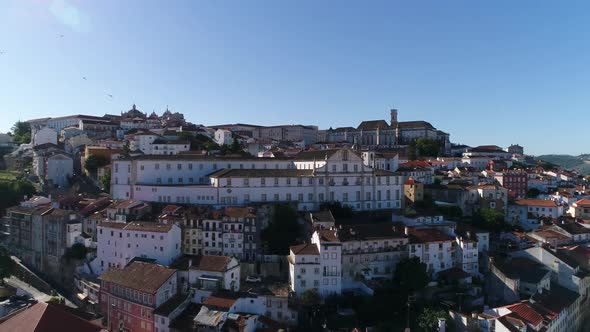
[152,223]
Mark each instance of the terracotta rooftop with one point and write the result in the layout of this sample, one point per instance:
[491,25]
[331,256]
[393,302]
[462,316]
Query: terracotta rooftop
[583,203]
[220,301]
[203,262]
[427,235]
[144,277]
[305,249]
[327,235]
[536,202]
[526,312]
[44,317]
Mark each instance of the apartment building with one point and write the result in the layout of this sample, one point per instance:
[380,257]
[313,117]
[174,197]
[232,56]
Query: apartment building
[130,295]
[119,243]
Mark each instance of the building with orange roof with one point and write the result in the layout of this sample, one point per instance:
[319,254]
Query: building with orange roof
[580,209]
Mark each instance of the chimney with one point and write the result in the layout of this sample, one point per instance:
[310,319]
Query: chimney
[407,230]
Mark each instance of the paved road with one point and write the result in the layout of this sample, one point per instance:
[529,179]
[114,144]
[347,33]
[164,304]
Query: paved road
[37,294]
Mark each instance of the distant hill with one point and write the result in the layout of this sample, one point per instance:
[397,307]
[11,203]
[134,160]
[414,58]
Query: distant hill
[578,163]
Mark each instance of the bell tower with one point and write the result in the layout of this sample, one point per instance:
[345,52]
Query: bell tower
[393,114]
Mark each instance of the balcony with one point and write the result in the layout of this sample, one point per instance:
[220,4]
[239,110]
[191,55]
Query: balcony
[331,274]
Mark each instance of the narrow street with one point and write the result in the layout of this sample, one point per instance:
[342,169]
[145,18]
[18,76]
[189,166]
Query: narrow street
[37,294]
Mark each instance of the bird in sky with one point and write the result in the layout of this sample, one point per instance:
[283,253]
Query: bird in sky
[61,36]
[110,95]
[2,52]
[84,78]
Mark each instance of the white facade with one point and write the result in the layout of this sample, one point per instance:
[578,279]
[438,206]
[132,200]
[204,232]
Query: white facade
[229,278]
[304,268]
[433,248]
[330,250]
[58,168]
[223,137]
[118,243]
[467,255]
[44,135]
[308,179]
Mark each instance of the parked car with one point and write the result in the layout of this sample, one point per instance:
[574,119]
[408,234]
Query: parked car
[253,279]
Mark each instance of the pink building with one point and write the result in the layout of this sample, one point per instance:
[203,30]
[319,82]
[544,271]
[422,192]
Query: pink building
[129,296]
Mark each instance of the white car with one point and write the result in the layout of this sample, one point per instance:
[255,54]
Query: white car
[253,279]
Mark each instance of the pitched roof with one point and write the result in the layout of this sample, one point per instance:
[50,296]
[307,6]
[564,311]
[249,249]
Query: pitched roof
[366,232]
[526,312]
[572,227]
[141,276]
[536,202]
[415,124]
[426,235]
[220,301]
[305,249]
[327,235]
[373,124]
[44,317]
[202,262]
[583,203]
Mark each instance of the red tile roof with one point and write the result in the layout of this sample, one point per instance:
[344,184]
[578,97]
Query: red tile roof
[144,277]
[220,301]
[428,235]
[203,262]
[327,235]
[583,203]
[536,202]
[527,313]
[43,317]
[305,249]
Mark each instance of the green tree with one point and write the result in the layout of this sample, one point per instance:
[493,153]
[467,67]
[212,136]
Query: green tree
[412,151]
[106,181]
[21,132]
[93,162]
[12,192]
[428,319]
[533,193]
[7,265]
[235,146]
[491,220]
[283,230]
[77,251]
[310,298]
[411,274]
[428,147]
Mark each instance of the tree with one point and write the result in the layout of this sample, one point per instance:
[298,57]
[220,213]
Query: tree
[532,193]
[21,132]
[412,151]
[93,162]
[310,298]
[411,274]
[77,251]
[283,230]
[491,220]
[235,146]
[428,147]
[428,319]
[7,265]
[106,180]
[12,192]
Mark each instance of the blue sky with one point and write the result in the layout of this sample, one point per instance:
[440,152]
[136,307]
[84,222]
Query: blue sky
[488,72]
